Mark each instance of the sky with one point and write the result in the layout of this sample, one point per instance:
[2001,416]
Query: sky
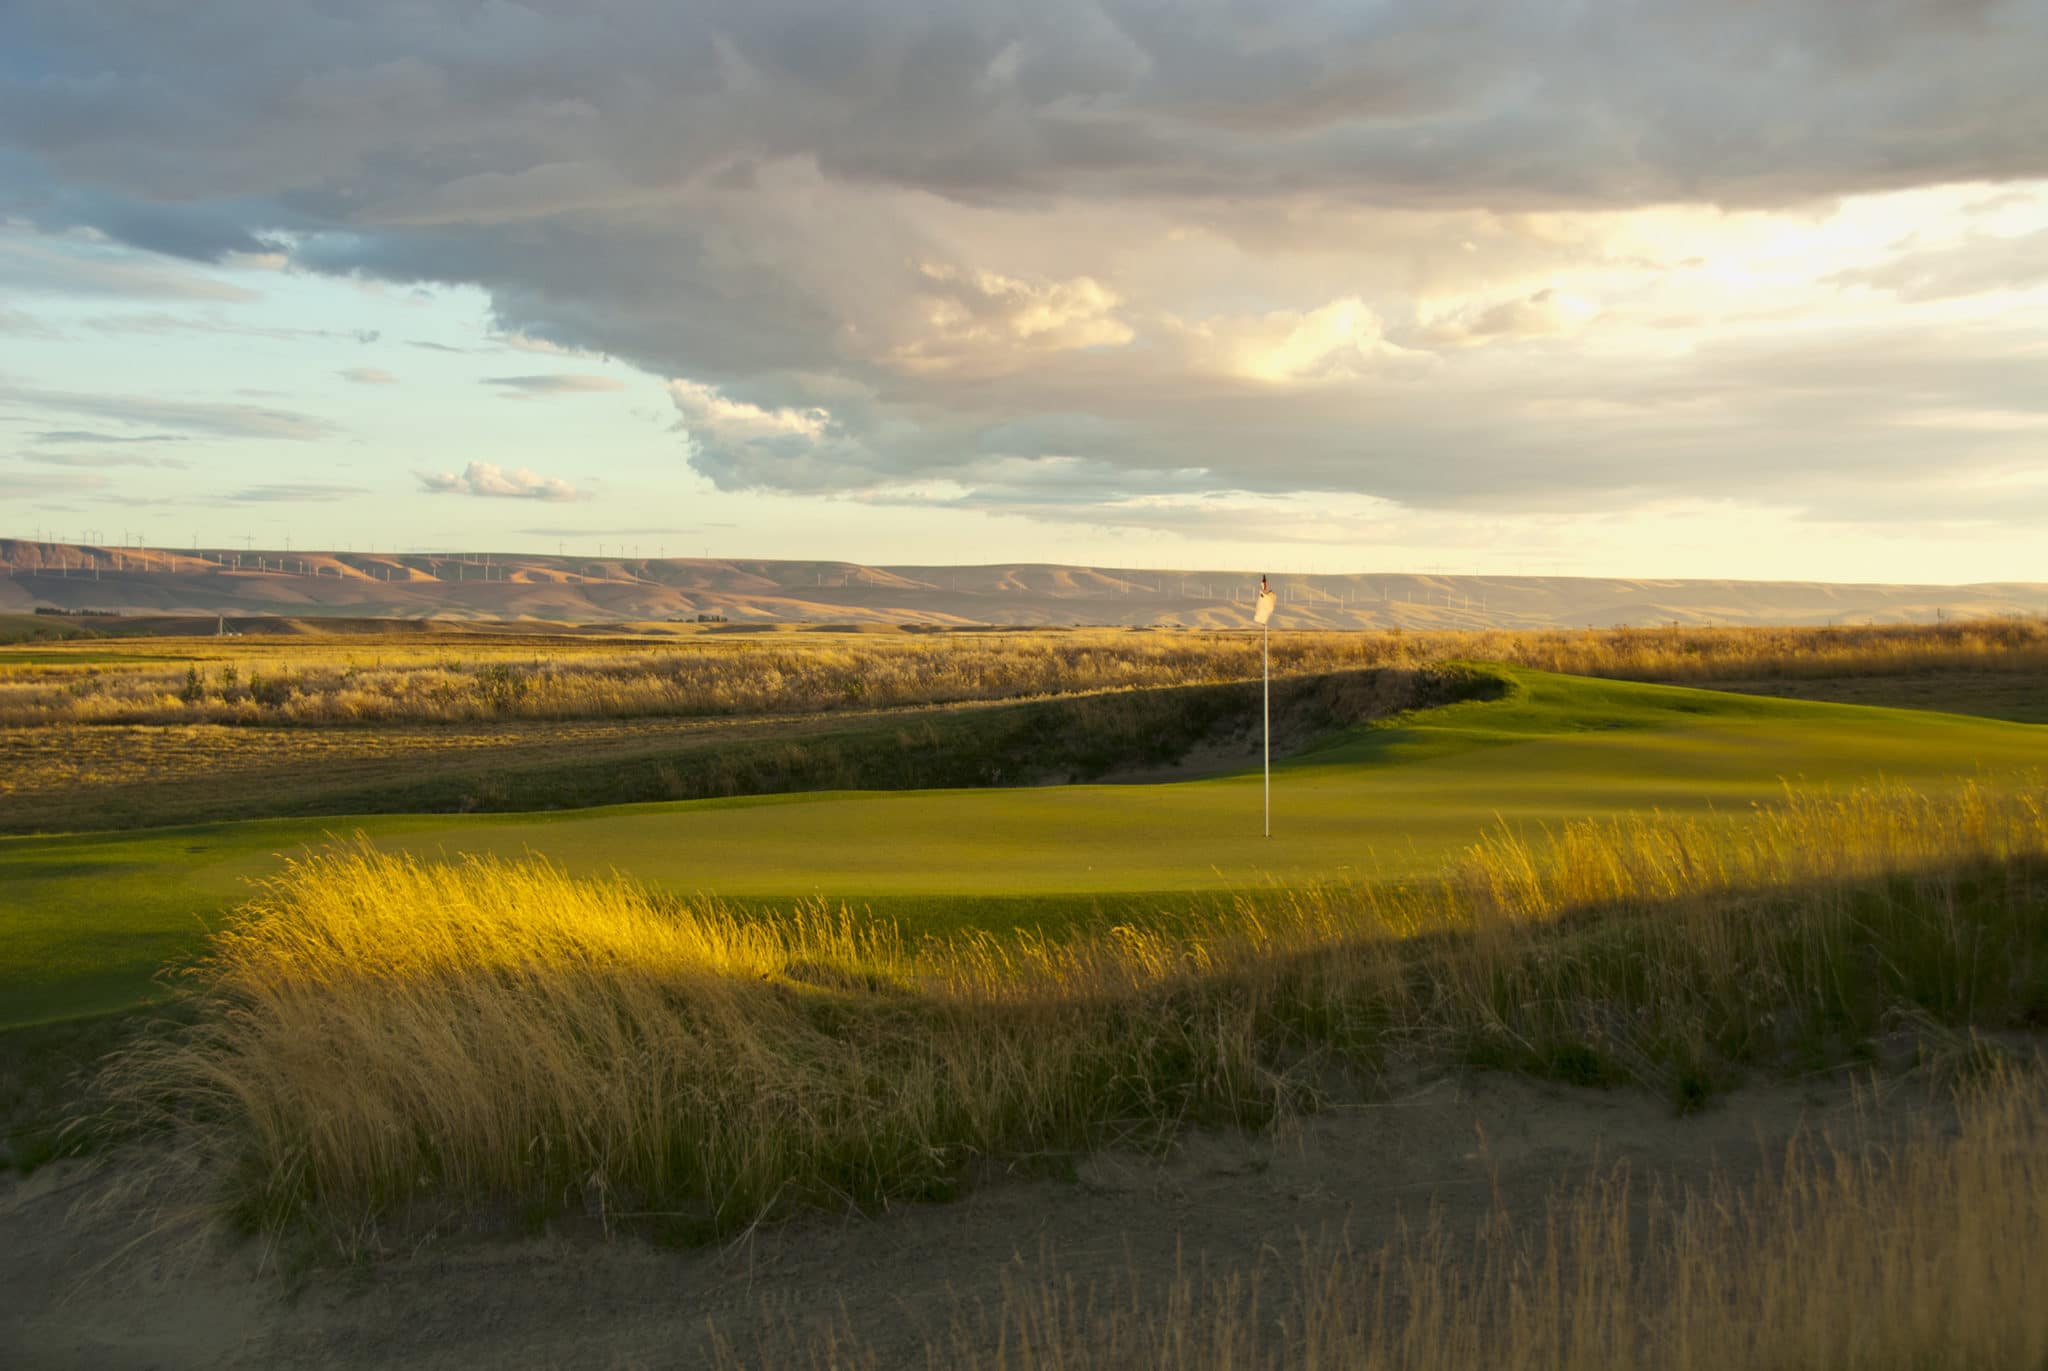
[1639,289]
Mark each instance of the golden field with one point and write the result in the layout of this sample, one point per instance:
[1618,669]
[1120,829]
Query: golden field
[470,678]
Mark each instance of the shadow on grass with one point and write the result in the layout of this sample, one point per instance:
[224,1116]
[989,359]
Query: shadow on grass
[47,1080]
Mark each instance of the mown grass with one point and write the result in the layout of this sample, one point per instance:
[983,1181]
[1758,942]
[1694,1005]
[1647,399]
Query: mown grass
[382,1039]
[1855,1252]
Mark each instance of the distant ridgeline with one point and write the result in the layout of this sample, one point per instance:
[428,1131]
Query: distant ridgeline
[79,613]
[303,584]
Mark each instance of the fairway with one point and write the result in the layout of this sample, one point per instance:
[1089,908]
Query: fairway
[89,918]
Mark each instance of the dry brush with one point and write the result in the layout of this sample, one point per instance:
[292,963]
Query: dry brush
[348,682]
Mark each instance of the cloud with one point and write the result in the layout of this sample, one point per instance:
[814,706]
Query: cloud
[488,479]
[741,445]
[33,485]
[1982,264]
[79,435]
[519,342]
[191,416]
[197,232]
[984,321]
[559,384]
[1546,314]
[15,323]
[310,493]
[1454,255]
[1341,340]
[66,266]
[397,115]
[550,531]
[368,376]
[160,323]
[104,459]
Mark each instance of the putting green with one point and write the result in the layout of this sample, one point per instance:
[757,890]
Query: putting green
[86,919]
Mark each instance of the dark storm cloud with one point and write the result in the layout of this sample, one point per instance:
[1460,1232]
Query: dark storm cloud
[327,113]
[199,233]
[775,200]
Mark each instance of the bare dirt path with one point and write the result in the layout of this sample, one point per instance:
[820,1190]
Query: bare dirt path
[84,1291]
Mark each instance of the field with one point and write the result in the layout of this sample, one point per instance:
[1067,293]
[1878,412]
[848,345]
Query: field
[426,676]
[829,988]
[154,731]
[95,914]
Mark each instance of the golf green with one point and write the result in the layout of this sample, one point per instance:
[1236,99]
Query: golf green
[85,920]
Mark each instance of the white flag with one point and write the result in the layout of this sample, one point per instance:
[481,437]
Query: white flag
[1264,611]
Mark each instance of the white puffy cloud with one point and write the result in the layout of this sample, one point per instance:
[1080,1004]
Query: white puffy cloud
[488,479]
[982,321]
[739,444]
[1342,340]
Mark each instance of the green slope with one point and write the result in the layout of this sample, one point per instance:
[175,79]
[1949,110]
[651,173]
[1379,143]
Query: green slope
[84,920]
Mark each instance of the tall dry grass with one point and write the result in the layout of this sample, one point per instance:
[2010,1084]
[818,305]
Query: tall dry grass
[697,677]
[1857,1254]
[380,1035]
[356,684]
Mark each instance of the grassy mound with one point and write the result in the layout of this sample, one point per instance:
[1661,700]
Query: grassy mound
[381,1038]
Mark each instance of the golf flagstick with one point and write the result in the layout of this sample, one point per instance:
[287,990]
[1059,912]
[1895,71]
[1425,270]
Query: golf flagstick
[1263,616]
